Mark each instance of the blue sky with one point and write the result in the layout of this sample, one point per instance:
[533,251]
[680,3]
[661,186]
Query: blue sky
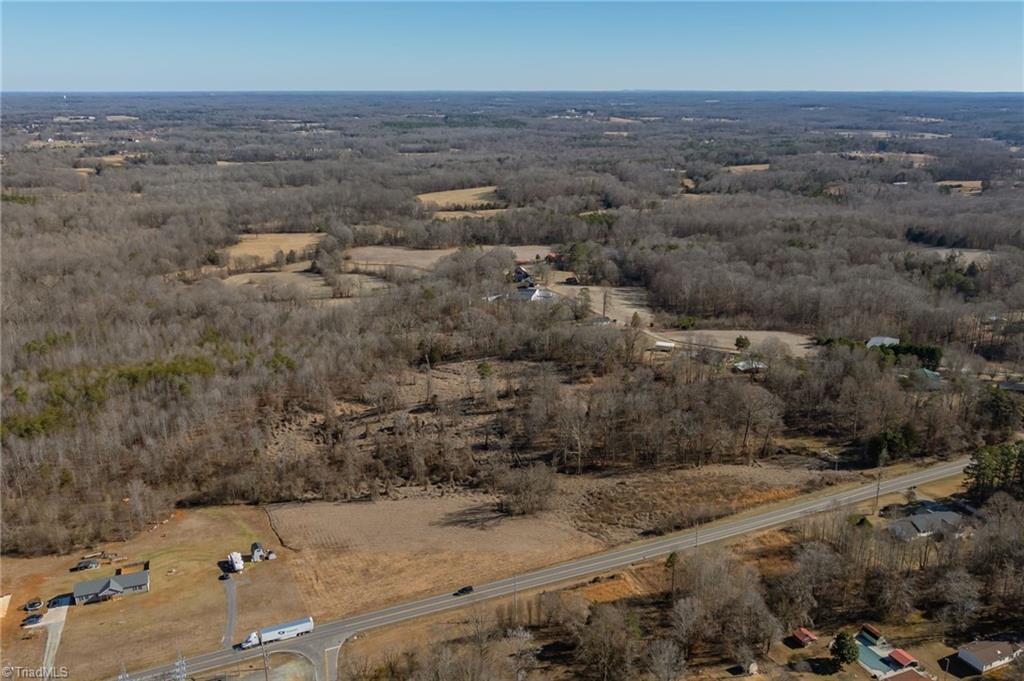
[153,46]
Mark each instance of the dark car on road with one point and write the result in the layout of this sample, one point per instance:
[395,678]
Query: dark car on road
[30,620]
[463,591]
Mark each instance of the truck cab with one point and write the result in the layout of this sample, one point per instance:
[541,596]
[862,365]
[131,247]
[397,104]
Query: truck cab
[251,640]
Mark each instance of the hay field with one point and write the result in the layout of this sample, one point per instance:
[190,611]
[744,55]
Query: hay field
[426,259]
[472,197]
[725,339]
[747,168]
[359,556]
[263,247]
[185,590]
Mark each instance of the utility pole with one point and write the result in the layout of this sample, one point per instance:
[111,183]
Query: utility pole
[266,659]
[515,599]
[882,458]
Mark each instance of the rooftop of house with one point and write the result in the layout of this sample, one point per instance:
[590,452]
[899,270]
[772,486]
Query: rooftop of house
[902,657]
[115,582]
[989,652]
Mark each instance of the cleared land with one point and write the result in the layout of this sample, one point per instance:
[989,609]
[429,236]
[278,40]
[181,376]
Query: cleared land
[966,255]
[965,187]
[472,197]
[262,248]
[425,259]
[355,557]
[748,168]
[917,160]
[292,281]
[121,118]
[455,204]
[725,339]
[184,590]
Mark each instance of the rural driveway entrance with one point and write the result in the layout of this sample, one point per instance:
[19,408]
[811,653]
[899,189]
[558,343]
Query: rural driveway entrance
[53,620]
[231,592]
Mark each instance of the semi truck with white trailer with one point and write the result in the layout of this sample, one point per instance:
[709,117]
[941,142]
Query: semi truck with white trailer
[235,561]
[279,632]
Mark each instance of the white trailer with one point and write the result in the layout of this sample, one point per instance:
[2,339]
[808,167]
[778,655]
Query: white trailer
[235,561]
[278,633]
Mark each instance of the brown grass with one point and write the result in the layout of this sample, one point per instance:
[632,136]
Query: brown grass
[963,187]
[470,197]
[263,247]
[149,628]
[725,339]
[293,280]
[748,168]
[359,556]
[425,259]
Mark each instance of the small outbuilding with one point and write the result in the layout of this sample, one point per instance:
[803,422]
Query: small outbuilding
[902,658]
[805,636]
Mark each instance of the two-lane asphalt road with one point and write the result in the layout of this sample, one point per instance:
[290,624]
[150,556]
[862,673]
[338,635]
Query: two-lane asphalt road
[329,635]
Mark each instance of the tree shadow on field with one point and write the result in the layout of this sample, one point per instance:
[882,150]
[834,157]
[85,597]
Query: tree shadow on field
[480,517]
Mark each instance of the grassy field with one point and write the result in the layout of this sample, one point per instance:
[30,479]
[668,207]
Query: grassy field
[964,187]
[472,197]
[356,557]
[263,247]
[747,168]
[725,339]
[425,259]
[291,281]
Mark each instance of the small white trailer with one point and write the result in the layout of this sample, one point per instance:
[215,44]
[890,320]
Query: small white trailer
[279,632]
[235,561]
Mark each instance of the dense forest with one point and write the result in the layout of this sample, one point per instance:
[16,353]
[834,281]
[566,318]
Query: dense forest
[135,378]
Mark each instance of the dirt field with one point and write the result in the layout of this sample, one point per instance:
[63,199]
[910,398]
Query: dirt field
[121,118]
[425,259]
[292,281]
[473,197]
[184,590]
[263,247]
[725,339]
[358,556]
[748,168]
[964,187]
